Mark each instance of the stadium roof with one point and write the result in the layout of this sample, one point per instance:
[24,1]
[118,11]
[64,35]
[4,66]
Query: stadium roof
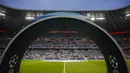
[65,4]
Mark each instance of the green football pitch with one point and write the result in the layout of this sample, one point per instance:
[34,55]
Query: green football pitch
[39,66]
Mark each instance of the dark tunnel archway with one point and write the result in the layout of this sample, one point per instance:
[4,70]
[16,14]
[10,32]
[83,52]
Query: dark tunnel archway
[17,46]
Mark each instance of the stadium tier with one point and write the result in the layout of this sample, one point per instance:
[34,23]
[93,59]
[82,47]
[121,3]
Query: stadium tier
[63,54]
[67,45]
[64,41]
[63,46]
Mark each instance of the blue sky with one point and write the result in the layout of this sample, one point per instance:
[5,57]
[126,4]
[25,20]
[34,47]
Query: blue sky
[65,4]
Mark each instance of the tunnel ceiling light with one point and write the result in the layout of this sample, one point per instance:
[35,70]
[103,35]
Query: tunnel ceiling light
[127,12]
[100,18]
[127,15]
[2,14]
[29,18]
[93,18]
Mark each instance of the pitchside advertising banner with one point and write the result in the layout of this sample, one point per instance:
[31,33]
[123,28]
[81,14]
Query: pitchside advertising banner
[12,56]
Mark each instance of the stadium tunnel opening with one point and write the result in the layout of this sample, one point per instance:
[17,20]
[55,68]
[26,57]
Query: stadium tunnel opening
[14,53]
[67,49]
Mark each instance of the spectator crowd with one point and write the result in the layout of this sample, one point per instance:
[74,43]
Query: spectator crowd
[62,41]
[67,46]
[62,54]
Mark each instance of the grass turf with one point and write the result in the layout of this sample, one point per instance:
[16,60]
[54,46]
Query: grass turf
[39,66]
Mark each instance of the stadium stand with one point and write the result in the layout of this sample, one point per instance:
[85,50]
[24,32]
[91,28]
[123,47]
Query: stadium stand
[63,46]
[66,45]
[63,54]
[123,42]
[63,41]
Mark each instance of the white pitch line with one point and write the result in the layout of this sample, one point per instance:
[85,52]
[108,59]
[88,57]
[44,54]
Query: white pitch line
[64,67]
